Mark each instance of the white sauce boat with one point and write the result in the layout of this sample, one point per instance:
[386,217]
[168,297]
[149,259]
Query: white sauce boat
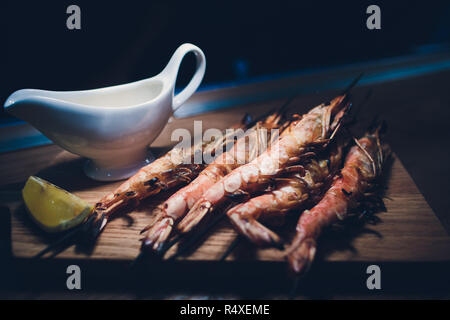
[112,126]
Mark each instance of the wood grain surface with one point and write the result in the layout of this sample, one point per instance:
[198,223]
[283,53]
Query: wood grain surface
[409,231]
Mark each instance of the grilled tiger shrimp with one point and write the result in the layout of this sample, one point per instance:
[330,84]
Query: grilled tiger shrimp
[310,133]
[174,208]
[171,170]
[362,167]
[291,192]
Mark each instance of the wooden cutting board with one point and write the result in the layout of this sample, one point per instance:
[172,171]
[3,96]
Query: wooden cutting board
[409,230]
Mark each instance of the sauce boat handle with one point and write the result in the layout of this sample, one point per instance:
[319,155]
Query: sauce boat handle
[172,71]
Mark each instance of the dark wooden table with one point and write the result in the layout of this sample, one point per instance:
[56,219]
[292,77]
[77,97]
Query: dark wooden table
[417,110]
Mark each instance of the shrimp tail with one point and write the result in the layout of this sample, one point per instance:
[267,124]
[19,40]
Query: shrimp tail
[301,255]
[94,225]
[103,210]
[159,234]
[256,232]
[189,222]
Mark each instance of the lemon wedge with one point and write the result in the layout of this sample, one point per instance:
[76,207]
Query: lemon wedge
[53,208]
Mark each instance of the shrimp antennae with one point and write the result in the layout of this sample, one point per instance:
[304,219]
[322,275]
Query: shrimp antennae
[64,240]
[161,252]
[276,112]
[231,247]
[58,243]
[197,236]
[352,84]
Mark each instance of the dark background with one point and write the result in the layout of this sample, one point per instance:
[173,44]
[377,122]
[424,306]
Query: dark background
[122,41]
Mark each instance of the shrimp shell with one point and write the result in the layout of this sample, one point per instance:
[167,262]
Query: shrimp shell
[311,132]
[291,192]
[174,208]
[362,167]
